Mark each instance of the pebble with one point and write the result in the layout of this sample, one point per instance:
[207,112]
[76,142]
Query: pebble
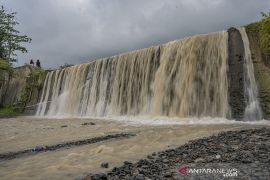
[104,165]
[88,123]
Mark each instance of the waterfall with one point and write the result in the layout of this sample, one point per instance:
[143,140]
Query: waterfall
[183,78]
[252,110]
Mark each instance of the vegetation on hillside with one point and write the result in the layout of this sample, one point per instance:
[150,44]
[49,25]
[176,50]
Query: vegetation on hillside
[262,29]
[33,82]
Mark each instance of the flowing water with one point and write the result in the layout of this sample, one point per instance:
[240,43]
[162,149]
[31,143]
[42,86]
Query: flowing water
[183,78]
[74,163]
[253,110]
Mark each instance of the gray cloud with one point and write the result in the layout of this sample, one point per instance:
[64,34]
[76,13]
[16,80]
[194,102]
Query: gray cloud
[75,31]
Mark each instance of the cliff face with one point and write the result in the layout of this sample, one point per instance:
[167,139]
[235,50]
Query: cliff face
[22,88]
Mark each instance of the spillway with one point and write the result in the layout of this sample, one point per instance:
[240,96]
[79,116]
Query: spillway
[183,78]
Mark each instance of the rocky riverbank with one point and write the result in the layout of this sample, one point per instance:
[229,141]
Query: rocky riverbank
[241,154]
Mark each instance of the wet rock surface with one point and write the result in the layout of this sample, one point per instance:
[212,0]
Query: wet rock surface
[236,54]
[241,154]
[40,148]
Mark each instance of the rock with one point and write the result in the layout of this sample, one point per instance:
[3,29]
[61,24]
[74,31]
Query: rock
[100,176]
[198,160]
[104,165]
[218,156]
[39,148]
[127,163]
[168,175]
[165,160]
[63,126]
[88,123]
[139,177]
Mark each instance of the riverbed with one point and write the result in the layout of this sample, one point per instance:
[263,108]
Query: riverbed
[17,134]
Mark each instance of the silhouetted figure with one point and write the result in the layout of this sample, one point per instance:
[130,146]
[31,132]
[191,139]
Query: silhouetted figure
[38,64]
[32,62]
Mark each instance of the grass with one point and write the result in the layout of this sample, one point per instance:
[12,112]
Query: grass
[8,112]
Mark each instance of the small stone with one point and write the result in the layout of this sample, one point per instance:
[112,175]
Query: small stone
[63,126]
[127,162]
[88,123]
[218,156]
[104,165]
[100,176]
[165,160]
[198,160]
[38,148]
[167,175]
[140,177]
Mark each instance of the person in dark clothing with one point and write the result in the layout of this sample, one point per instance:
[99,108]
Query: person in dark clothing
[38,63]
[32,62]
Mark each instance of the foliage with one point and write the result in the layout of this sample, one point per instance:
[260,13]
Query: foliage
[8,111]
[10,40]
[265,36]
[265,15]
[34,80]
[6,65]
[65,66]
[262,28]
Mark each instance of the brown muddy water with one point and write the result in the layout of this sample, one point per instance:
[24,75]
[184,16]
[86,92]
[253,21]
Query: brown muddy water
[76,162]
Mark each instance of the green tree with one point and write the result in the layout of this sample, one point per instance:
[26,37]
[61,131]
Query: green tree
[265,15]
[10,38]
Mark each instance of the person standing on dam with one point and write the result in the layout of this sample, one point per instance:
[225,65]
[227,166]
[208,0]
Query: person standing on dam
[38,64]
[32,62]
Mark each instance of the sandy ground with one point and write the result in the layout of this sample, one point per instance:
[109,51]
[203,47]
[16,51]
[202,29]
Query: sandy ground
[28,132]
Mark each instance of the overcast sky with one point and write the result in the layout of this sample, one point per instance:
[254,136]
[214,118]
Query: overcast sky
[75,31]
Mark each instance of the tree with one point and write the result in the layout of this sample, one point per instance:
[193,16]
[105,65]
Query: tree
[10,40]
[265,15]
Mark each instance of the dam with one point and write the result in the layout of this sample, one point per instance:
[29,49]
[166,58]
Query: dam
[161,97]
[183,78]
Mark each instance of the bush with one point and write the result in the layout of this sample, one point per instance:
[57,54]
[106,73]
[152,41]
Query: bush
[8,111]
[33,81]
[262,29]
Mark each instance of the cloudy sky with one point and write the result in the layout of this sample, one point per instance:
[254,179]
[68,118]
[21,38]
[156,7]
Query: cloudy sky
[75,31]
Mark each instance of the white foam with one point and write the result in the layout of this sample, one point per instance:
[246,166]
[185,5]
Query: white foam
[163,120]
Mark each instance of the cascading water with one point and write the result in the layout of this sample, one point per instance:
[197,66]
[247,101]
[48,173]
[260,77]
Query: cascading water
[252,110]
[183,78]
